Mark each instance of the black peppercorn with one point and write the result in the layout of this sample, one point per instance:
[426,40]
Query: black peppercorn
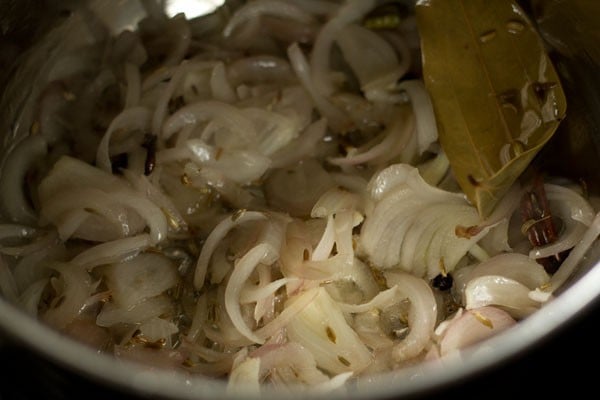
[442,282]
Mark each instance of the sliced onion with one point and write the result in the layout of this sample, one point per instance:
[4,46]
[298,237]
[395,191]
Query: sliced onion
[323,330]
[413,225]
[257,8]
[422,314]
[73,186]
[34,266]
[161,108]
[296,189]
[220,86]
[274,130]
[301,147]
[244,378]
[260,69]
[293,306]
[135,279]
[290,364]
[336,119]
[333,201]
[75,289]
[514,266]
[156,329]
[34,239]
[150,308]
[395,139]
[29,299]
[325,245]
[12,196]
[570,264]
[216,236]
[224,114]
[143,185]
[131,119]
[383,299]
[241,272]
[320,57]
[242,166]
[502,292]
[473,327]
[372,59]
[427,132]
[111,252]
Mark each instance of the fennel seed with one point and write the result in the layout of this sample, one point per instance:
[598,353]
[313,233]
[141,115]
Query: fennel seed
[331,334]
[485,321]
[344,361]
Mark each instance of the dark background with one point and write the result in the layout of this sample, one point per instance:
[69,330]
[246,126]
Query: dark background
[565,362]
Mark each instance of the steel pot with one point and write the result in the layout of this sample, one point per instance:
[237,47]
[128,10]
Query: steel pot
[49,364]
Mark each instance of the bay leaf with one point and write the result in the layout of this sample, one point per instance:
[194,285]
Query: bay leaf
[497,97]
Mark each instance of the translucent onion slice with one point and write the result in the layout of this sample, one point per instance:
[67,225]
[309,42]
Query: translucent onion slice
[130,119]
[292,364]
[35,266]
[12,196]
[29,299]
[336,119]
[372,59]
[304,146]
[514,266]
[274,130]
[427,132]
[323,249]
[257,8]
[293,307]
[74,286]
[244,378]
[70,172]
[383,299]
[146,275]
[156,329]
[570,264]
[422,314]
[414,226]
[395,139]
[111,252]
[296,189]
[220,86]
[242,166]
[155,194]
[224,114]
[215,237]
[322,329]
[22,240]
[502,292]
[73,185]
[472,327]
[150,308]
[266,252]
[260,69]
[348,13]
